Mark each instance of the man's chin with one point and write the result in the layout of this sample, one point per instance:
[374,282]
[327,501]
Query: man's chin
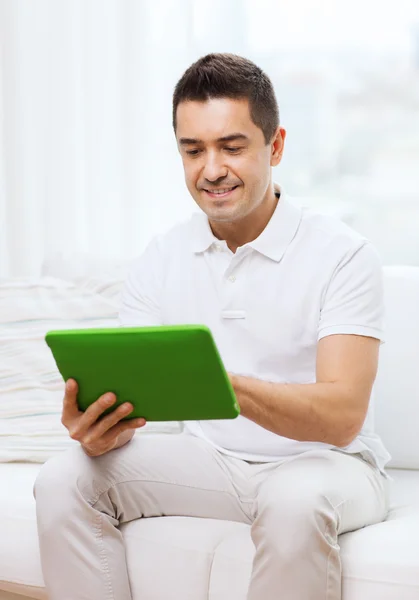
[220,211]
[222,215]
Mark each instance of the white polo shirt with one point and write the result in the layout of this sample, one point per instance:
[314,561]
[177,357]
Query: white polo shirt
[305,277]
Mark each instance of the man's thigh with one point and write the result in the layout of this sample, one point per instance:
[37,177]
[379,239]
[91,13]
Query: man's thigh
[152,475]
[321,480]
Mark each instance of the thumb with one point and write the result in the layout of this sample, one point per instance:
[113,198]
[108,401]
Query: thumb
[71,387]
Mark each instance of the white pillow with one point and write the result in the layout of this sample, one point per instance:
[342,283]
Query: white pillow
[31,388]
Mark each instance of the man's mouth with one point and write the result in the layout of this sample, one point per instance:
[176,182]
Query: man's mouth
[221,192]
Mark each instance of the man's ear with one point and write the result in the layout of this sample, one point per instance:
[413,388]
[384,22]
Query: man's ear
[277,146]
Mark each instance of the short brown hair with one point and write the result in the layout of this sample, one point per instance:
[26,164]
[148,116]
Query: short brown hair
[230,76]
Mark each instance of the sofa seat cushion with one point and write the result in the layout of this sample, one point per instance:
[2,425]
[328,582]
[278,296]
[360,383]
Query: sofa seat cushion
[200,559]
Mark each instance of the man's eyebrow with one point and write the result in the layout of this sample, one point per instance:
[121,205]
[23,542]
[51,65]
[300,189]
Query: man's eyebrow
[233,137]
[184,141]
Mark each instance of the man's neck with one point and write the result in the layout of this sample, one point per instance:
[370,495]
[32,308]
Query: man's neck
[249,228]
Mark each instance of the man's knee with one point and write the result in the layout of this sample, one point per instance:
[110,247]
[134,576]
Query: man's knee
[74,471]
[298,512]
[59,474]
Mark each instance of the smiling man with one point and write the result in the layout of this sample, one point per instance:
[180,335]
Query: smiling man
[294,302]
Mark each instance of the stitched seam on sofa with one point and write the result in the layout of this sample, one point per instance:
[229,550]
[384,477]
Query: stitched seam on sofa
[97,529]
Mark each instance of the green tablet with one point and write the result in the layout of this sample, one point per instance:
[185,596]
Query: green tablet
[168,373]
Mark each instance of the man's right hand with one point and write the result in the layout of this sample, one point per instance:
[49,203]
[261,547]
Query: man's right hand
[97,435]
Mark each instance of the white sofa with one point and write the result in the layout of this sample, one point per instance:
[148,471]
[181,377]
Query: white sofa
[195,559]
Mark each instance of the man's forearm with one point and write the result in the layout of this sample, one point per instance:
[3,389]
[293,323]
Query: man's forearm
[305,412]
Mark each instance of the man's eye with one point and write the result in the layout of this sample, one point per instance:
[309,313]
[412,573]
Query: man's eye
[232,150]
[192,152]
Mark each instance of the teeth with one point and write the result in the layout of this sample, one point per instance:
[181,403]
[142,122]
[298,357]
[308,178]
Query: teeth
[220,191]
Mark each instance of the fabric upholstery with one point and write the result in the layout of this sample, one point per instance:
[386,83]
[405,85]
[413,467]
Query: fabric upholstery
[396,390]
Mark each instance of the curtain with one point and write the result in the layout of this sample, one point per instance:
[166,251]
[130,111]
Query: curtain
[88,160]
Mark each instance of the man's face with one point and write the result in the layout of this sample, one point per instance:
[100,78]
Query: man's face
[226,161]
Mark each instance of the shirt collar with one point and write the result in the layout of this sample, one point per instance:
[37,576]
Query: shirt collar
[272,242]
[202,235]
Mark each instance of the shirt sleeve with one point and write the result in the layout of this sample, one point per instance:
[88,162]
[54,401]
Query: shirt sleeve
[353,302]
[141,295]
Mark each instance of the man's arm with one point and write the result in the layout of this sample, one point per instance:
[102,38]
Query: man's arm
[333,409]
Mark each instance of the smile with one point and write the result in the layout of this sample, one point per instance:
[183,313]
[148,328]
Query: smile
[221,193]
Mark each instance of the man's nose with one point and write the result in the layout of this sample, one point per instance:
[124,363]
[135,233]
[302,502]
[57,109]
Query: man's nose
[214,170]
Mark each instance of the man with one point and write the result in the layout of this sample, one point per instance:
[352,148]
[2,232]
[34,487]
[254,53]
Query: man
[294,301]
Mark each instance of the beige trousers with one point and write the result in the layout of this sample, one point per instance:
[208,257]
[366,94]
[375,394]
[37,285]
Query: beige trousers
[296,508]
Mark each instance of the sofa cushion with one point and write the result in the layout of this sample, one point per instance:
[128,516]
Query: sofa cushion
[396,393]
[199,559]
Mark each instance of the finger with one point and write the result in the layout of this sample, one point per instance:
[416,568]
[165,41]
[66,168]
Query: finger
[113,439]
[107,438]
[91,415]
[97,431]
[117,429]
[70,408]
